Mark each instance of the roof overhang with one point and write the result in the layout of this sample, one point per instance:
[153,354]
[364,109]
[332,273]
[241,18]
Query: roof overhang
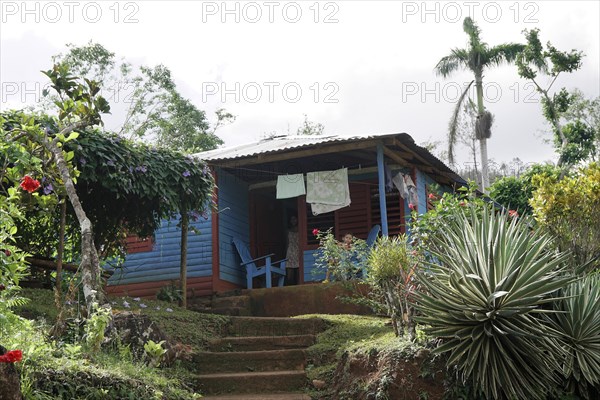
[294,154]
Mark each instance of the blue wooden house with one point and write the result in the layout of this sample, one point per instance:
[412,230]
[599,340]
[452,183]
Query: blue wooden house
[246,207]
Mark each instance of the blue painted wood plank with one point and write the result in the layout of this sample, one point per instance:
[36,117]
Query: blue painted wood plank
[233,222]
[162,263]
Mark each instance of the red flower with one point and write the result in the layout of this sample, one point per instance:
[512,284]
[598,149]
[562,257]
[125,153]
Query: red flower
[462,204]
[513,213]
[7,252]
[411,206]
[29,184]
[2,287]
[12,356]
[315,232]
[431,196]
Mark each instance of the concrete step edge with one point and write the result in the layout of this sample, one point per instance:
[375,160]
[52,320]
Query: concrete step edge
[266,374]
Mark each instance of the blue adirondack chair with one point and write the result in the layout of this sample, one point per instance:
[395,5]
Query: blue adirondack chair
[252,270]
[371,239]
[373,234]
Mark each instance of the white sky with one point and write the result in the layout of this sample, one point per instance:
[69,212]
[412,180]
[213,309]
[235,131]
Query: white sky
[367,70]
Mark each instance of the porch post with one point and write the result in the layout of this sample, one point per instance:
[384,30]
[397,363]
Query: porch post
[381,175]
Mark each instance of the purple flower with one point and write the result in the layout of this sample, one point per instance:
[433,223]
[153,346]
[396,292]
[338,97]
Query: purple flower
[168,310]
[186,173]
[142,305]
[125,304]
[205,170]
[157,308]
[82,161]
[48,189]
[136,299]
[141,168]
[110,163]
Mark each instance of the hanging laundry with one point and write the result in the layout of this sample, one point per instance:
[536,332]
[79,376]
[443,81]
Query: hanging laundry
[389,184]
[290,186]
[327,191]
[398,181]
[413,197]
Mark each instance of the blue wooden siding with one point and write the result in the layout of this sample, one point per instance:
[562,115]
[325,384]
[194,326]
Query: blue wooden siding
[421,191]
[234,220]
[310,273]
[162,263]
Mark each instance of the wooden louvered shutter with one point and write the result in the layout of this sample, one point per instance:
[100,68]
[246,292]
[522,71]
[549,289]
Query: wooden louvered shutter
[395,210]
[355,219]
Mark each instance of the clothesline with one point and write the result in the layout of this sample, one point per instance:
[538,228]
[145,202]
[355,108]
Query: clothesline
[352,167]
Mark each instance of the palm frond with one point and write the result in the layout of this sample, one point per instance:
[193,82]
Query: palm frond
[503,53]
[473,31]
[452,62]
[453,124]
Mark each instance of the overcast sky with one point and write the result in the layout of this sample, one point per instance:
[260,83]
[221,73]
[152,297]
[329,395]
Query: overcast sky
[357,67]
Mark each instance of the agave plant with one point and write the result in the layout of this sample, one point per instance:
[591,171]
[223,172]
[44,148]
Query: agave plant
[484,297]
[578,322]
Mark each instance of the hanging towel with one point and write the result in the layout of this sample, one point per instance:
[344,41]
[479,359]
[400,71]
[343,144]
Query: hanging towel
[398,181]
[327,191]
[413,197]
[290,186]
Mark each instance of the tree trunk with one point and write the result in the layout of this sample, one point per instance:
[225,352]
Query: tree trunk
[183,262]
[477,177]
[89,265]
[485,178]
[61,246]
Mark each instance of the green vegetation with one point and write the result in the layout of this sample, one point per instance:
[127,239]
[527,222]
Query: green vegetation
[514,193]
[569,209]
[391,278]
[484,296]
[67,370]
[347,333]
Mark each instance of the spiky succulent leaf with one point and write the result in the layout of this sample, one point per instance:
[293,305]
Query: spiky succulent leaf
[484,295]
[578,322]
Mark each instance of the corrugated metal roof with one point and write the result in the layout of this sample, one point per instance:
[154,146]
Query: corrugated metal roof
[277,143]
[286,143]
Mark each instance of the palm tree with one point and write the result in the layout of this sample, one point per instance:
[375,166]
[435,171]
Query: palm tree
[477,57]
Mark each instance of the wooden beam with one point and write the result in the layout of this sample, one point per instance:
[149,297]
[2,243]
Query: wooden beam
[395,157]
[417,156]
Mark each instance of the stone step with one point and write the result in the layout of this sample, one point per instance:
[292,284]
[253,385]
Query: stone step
[249,361]
[274,326]
[232,311]
[249,396]
[231,301]
[251,382]
[256,343]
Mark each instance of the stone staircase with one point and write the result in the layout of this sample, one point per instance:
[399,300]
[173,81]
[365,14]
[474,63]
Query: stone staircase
[233,303]
[260,358]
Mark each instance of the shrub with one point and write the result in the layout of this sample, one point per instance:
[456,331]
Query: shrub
[391,275]
[515,192]
[483,297]
[342,264]
[569,209]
